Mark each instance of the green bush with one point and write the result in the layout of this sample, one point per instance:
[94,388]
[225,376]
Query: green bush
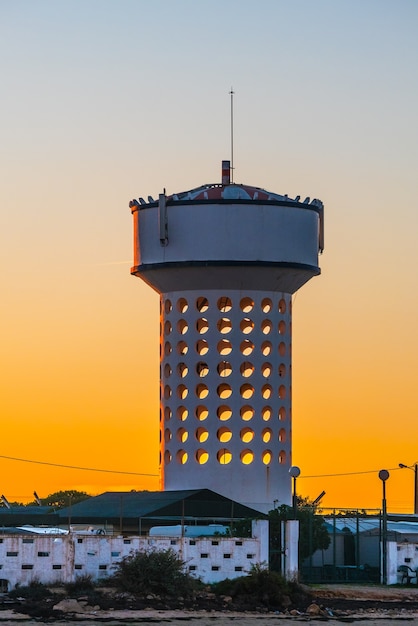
[82,585]
[158,572]
[34,591]
[260,587]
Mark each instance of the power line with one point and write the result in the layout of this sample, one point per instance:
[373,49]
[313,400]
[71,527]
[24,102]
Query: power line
[108,471]
[85,469]
[392,469]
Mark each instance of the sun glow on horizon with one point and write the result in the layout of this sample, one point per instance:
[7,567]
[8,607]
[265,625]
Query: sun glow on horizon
[94,119]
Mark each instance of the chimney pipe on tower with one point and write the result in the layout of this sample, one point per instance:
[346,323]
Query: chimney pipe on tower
[226,172]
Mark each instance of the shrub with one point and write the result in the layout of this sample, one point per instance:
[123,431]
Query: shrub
[260,586]
[159,572]
[34,591]
[82,585]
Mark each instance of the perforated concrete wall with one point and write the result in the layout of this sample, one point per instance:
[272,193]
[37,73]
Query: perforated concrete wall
[226,393]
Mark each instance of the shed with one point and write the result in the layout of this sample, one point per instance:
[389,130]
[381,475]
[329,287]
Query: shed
[134,512]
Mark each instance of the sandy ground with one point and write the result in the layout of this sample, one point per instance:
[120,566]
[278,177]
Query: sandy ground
[367,592]
[181,618]
[175,619]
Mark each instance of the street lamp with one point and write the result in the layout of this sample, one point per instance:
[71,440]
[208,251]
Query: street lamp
[414,468]
[294,471]
[384,475]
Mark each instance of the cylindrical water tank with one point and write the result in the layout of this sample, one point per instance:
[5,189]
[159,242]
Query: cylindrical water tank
[226,259]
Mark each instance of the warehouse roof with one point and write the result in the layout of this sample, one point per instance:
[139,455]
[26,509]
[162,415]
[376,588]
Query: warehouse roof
[176,505]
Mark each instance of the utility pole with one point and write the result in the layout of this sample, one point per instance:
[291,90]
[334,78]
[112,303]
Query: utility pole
[384,475]
[414,468]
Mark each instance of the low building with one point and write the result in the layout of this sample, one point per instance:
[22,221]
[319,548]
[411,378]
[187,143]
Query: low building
[355,551]
[23,515]
[92,536]
[61,557]
[135,512]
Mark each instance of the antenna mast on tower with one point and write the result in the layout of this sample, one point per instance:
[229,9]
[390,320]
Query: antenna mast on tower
[231,93]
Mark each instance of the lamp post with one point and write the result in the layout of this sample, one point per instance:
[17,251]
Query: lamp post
[294,471]
[414,468]
[384,475]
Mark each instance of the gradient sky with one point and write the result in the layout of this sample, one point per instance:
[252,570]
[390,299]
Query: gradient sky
[103,101]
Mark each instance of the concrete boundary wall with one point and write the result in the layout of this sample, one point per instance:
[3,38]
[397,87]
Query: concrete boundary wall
[62,558]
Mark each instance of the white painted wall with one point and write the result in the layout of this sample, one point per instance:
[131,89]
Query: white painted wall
[213,231]
[63,558]
[391,562]
[291,569]
[406,554]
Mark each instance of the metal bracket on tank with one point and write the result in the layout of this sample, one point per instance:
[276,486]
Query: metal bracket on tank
[162,219]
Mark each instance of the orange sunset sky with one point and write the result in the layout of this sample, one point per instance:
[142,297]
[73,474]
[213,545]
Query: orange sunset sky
[106,101]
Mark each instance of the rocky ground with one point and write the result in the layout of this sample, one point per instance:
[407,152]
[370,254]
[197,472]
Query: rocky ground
[323,602]
[355,598]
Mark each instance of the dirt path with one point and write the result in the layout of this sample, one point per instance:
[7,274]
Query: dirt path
[366,592]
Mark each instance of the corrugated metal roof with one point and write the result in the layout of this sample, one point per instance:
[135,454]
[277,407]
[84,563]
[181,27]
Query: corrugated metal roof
[371,525]
[190,503]
[20,515]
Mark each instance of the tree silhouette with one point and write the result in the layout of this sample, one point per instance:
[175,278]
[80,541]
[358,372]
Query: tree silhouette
[313,533]
[62,499]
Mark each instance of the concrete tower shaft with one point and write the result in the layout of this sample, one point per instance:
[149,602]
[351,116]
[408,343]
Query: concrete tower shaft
[226,259]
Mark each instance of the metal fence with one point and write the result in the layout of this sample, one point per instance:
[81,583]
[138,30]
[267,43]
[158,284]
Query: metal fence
[335,545]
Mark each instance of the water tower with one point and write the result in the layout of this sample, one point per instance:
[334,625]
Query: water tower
[226,259]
